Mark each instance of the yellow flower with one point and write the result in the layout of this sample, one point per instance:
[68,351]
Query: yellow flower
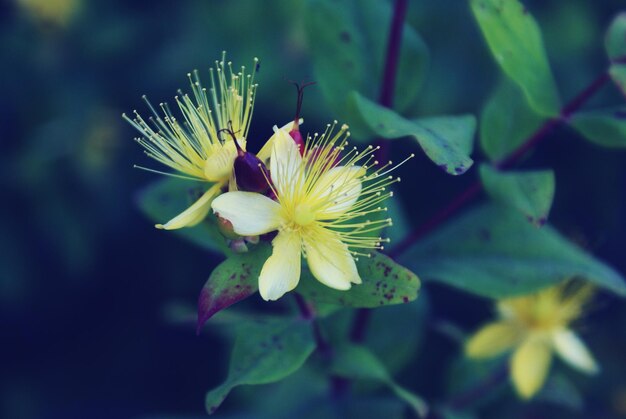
[534,327]
[320,199]
[58,12]
[194,146]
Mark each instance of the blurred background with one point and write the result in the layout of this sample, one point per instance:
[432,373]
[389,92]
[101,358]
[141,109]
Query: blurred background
[85,278]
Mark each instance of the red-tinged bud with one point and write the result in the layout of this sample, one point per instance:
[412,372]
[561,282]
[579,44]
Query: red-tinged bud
[295,130]
[226,228]
[297,137]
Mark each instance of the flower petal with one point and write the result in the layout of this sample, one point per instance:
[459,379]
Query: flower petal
[281,271]
[195,213]
[285,163]
[329,259]
[336,191]
[266,151]
[530,365]
[493,339]
[250,213]
[573,351]
[219,165]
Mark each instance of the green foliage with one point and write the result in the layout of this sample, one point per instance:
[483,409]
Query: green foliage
[618,74]
[606,127]
[348,47]
[231,281]
[506,121]
[449,153]
[529,192]
[408,320]
[615,40]
[264,352]
[168,197]
[357,362]
[516,43]
[561,391]
[492,251]
[384,283]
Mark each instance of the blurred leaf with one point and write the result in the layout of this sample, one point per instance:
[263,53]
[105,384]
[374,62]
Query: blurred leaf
[231,281]
[458,129]
[493,252]
[448,153]
[618,74]
[464,374]
[506,121]
[264,352]
[166,198]
[384,283]
[408,322]
[529,192]
[348,40]
[615,40]
[357,362]
[606,128]
[515,42]
[559,390]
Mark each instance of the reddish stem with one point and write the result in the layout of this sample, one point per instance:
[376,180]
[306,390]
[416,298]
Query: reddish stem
[474,189]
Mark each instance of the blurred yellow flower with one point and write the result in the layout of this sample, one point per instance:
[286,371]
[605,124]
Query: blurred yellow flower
[535,327]
[195,147]
[321,196]
[58,12]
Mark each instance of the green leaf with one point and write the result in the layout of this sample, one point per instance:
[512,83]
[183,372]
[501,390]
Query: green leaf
[530,192]
[168,197]
[516,43]
[457,129]
[560,390]
[265,352]
[493,252]
[408,322]
[357,362]
[448,153]
[618,74]
[349,47]
[606,128]
[384,283]
[615,41]
[231,281]
[506,121]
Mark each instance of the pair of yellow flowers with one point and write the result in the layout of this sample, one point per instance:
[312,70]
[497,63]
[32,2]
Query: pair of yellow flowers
[322,200]
[325,203]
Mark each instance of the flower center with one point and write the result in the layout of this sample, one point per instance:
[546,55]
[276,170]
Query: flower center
[304,214]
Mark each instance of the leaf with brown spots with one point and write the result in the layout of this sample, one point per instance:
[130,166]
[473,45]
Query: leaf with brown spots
[384,283]
[233,280]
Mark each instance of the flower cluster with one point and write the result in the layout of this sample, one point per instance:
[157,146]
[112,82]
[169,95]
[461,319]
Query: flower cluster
[535,326]
[323,200]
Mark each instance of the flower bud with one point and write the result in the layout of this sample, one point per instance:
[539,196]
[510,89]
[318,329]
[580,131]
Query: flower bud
[250,173]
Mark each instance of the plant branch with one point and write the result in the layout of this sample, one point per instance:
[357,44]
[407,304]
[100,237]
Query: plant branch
[387,89]
[513,158]
[481,389]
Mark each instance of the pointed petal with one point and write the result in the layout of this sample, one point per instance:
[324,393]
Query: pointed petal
[266,151]
[285,163]
[573,351]
[530,365]
[250,213]
[329,260]
[493,339]
[195,213]
[281,271]
[337,190]
[219,165]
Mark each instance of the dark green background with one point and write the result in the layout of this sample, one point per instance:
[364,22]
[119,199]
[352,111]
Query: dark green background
[85,279]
